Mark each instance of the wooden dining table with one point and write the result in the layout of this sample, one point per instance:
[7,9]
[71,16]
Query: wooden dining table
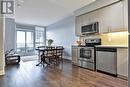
[41,51]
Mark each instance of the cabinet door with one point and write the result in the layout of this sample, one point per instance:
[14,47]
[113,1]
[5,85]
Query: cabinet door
[94,16]
[78,22]
[125,5]
[111,18]
[122,62]
[74,55]
[116,17]
[90,18]
[104,20]
[85,19]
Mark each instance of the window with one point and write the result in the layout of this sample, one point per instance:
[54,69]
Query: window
[39,36]
[28,38]
[25,42]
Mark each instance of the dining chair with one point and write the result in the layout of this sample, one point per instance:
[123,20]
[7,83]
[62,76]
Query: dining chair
[60,51]
[53,55]
[48,55]
[59,54]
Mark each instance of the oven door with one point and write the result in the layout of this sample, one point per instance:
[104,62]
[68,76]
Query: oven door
[86,54]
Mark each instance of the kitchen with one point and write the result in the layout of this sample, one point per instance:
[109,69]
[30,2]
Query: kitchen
[93,33]
[103,39]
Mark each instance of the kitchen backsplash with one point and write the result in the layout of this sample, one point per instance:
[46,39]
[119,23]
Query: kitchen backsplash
[117,38]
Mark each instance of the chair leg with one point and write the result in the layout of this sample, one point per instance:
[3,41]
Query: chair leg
[42,62]
[18,59]
[56,61]
[62,63]
[50,61]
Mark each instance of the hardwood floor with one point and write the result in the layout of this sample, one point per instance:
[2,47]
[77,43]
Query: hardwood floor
[29,75]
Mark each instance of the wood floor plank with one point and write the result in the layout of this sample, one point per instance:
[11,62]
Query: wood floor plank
[28,75]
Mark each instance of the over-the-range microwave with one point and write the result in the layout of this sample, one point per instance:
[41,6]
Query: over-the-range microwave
[91,28]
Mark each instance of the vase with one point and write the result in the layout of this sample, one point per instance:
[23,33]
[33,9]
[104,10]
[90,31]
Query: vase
[49,44]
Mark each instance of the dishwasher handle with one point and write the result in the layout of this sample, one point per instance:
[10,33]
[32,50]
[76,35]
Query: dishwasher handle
[106,49]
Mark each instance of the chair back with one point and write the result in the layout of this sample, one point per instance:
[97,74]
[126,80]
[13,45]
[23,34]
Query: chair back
[41,47]
[53,51]
[50,51]
[59,51]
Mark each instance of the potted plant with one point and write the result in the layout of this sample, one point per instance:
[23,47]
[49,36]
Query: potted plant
[50,41]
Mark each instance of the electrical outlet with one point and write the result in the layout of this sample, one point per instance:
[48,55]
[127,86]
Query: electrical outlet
[109,39]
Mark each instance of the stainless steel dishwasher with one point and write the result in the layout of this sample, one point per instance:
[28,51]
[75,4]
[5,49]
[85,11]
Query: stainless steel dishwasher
[106,60]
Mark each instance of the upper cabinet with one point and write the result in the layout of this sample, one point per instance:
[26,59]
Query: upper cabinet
[90,18]
[125,8]
[112,18]
[85,20]
[78,22]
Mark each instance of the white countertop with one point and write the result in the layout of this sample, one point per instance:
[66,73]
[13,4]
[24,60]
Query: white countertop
[116,46]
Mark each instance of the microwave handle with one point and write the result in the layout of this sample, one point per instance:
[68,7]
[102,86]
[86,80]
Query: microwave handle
[97,26]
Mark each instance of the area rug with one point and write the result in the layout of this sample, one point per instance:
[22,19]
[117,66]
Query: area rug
[29,58]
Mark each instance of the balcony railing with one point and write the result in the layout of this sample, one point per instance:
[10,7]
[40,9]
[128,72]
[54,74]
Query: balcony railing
[23,48]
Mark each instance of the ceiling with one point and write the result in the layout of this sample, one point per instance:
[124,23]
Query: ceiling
[46,12]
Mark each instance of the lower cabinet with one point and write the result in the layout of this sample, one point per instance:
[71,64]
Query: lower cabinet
[75,55]
[122,62]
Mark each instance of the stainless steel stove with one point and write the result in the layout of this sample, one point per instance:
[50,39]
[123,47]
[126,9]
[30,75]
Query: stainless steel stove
[86,54]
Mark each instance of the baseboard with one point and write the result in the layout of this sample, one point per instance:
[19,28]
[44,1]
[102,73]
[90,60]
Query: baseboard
[2,72]
[123,77]
[67,57]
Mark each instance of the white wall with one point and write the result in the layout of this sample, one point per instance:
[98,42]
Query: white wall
[63,33]
[9,34]
[129,42]
[2,63]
